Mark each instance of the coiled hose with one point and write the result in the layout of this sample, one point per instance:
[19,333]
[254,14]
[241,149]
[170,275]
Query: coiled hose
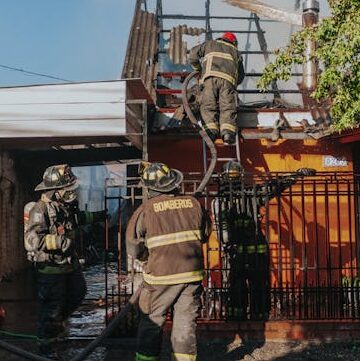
[202,133]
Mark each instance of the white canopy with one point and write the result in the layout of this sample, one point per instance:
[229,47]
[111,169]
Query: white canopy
[64,110]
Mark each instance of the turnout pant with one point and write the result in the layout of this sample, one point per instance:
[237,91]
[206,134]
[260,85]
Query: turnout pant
[154,303]
[59,295]
[249,287]
[218,104]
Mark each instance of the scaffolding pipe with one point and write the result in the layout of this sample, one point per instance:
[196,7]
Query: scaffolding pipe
[311,11]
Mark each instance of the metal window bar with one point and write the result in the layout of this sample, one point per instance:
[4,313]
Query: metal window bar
[311,266]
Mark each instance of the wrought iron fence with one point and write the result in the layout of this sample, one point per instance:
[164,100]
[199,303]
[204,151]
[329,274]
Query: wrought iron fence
[283,246]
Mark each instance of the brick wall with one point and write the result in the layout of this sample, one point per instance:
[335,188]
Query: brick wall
[14,193]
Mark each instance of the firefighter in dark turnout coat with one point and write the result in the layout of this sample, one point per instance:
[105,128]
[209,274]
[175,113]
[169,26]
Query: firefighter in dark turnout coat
[171,228]
[238,224]
[50,226]
[222,71]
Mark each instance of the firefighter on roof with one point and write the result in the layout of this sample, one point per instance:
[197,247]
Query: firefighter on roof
[168,229]
[50,234]
[222,71]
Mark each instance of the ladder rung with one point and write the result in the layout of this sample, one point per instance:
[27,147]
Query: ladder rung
[240,31]
[175,74]
[256,91]
[166,110]
[223,31]
[164,91]
[223,145]
[224,159]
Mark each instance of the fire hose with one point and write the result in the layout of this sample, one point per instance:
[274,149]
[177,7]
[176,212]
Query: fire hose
[202,133]
[90,347]
[135,297]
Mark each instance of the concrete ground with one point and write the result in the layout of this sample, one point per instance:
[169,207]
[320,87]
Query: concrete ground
[279,351]
[222,350]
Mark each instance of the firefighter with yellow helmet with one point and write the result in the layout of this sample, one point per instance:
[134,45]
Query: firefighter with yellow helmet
[168,229]
[50,235]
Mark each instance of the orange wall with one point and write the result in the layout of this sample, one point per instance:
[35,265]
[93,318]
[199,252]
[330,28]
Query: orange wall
[256,155]
[313,241]
[289,155]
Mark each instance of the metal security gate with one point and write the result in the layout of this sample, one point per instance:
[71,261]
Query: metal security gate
[283,246]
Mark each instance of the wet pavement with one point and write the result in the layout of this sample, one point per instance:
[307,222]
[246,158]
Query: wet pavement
[17,295]
[89,319]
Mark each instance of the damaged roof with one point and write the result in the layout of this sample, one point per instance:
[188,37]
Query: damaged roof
[157,53]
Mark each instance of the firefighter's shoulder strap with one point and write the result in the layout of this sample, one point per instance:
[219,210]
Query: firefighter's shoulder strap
[27,209]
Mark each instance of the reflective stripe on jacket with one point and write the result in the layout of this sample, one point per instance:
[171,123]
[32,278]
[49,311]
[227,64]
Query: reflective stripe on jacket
[173,229]
[251,249]
[174,279]
[219,59]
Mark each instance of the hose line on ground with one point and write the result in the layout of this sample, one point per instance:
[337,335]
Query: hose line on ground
[110,328]
[20,352]
[90,347]
[18,335]
[202,133]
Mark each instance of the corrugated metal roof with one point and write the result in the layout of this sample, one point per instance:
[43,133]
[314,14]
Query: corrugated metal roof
[178,49]
[140,59]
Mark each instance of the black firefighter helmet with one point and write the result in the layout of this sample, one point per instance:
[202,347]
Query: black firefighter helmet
[159,177]
[232,170]
[57,177]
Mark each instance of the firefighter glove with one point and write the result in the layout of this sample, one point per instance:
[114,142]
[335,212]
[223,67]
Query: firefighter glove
[306,172]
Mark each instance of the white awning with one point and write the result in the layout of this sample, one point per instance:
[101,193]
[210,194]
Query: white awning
[93,109]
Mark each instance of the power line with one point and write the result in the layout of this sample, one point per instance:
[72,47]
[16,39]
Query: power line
[33,73]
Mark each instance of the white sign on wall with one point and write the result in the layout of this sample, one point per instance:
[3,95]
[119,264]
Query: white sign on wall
[330,161]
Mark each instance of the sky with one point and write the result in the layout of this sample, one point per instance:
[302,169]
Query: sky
[77,40]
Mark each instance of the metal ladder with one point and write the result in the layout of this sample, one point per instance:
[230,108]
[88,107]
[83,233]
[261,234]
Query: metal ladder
[234,150]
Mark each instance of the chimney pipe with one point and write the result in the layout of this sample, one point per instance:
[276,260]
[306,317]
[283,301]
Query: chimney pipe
[311,11]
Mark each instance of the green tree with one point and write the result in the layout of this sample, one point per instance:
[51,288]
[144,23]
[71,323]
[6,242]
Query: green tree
[338,51]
